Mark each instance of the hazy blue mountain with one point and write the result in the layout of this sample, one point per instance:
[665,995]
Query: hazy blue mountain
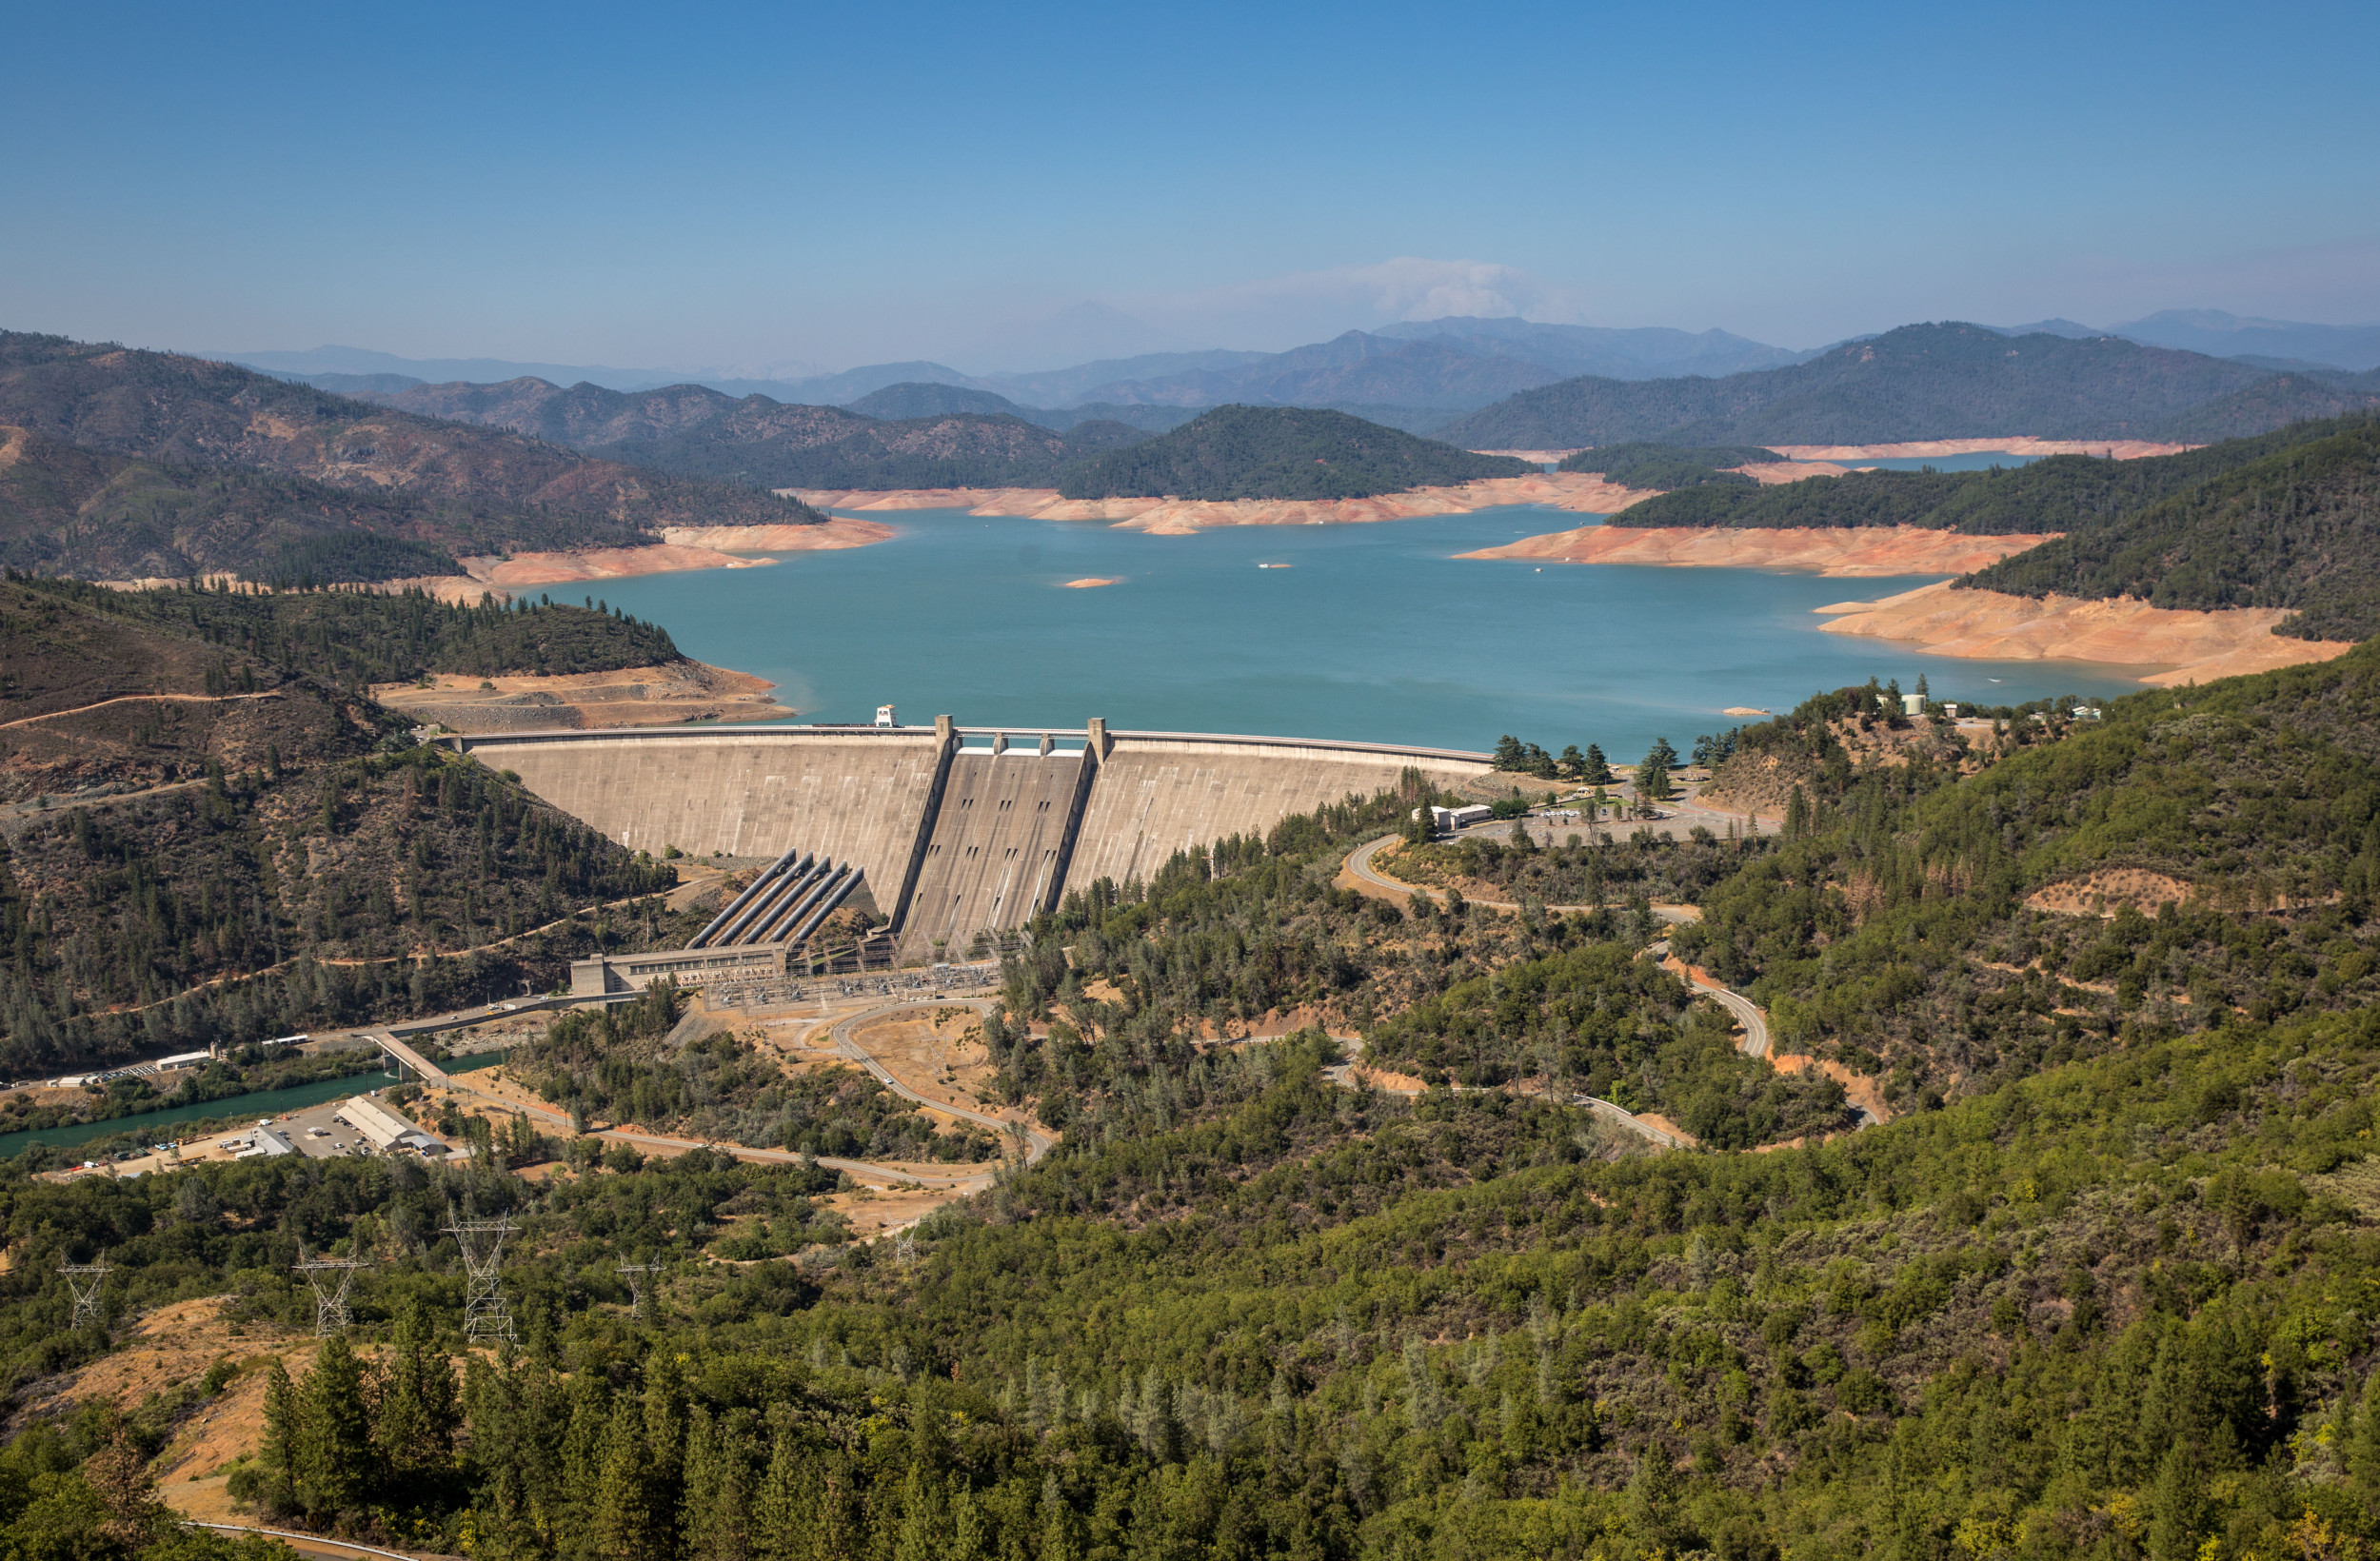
[1634,353]
[365,360]
[2051,326]
[2221,335]
[1940,380]
[1358,368]
[1077,334]
[925,398]
[1061,387]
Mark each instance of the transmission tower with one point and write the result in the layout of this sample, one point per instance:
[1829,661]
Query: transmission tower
[486,1315]
[83,1280]
[638,1275]
[906,1249]
[330,1298]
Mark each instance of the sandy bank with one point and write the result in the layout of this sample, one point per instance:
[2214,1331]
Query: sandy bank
[1543,457]
[1091,583]
[832,537]
[600,563]
[1827,550]
[1576,492]
[637,695]
[1991,625]
[2122,449]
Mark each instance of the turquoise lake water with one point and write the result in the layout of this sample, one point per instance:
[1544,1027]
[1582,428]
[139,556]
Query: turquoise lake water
[152,1125]
[1375,632]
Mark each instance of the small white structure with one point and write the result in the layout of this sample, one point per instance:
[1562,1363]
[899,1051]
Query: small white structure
[388,1131]
[264,1144]
[182,1060]
[1450,818]
[1951,710]
[1913,704]
[884,715]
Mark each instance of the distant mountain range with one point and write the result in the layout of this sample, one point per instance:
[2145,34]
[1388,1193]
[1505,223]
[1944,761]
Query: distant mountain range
[126,462]
[2275,344]
[1405,371]
[1946,381]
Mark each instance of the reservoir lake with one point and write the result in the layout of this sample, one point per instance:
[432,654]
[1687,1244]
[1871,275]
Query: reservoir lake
[1373,631]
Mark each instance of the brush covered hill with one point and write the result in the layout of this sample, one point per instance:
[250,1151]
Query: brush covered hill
[2195,855]
[454,489]
[204,842]
[2297,528]
[1947,381]
[98,516]
[1280,452]
[2063,493]
[703,433]
[2103,1294]
[1667,468]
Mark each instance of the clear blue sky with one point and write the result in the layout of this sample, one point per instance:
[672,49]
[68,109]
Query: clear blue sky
[687,184]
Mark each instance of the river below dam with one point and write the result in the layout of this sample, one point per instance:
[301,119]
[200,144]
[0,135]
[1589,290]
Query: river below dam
[1372,631]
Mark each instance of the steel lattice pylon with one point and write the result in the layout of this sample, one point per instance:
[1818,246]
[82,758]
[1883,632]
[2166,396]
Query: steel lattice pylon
[486,1315]
[637,1276]
[330,1301]
[84,1281]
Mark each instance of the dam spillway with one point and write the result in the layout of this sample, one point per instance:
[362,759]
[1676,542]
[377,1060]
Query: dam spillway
[947,832]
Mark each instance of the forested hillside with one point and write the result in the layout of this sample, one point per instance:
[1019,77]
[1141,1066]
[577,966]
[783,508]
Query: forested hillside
[1279,453]
[1945,381]
[224,459]
[1669,466]
[754,440]
[203,842]
[2101,1290]
[2060,493]
[2298,528]
[69,511]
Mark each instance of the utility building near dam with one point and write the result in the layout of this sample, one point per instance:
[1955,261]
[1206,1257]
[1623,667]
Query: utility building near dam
[946,832]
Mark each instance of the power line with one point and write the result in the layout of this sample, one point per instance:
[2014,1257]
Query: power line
[486,1315]
[85,1280]
[637,1276]
[330,1301]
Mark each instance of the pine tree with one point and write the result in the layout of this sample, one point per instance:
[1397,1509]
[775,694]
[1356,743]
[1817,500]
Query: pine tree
[718,1492]
[1598,769]
[2177,1507]
[925,1518]
[418,1409]
[284,1425]
[1509,754]
[628,1525]
[1058,1536]
[2363,1442]
[336,1467]
[784,1513]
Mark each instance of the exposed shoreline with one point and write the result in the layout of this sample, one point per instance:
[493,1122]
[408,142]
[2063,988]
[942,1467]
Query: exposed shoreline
[1847,551]
[1575,493]
[2192,646]
[637,695]
[2121,449]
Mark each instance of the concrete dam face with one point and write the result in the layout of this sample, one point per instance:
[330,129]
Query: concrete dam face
[947,831]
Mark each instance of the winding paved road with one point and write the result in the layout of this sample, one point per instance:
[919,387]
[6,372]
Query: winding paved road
[1038,1143]
[1360,867]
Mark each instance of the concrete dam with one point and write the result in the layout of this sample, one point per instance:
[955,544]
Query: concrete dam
[946,832]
